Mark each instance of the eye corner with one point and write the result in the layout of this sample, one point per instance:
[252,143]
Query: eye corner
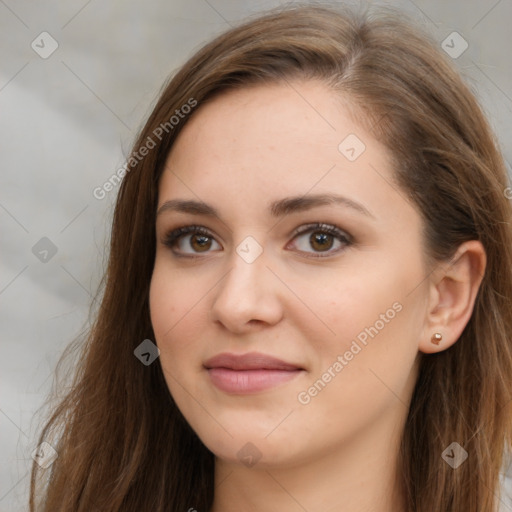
[345,238]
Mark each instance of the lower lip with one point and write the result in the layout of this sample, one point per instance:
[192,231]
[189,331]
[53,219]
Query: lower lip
[249,381]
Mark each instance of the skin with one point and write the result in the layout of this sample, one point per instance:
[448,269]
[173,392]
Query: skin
[337,452]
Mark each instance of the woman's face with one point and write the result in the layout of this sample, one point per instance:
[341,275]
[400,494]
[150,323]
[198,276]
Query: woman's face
[342,305]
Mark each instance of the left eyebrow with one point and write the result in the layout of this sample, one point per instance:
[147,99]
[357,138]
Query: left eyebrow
[278,208]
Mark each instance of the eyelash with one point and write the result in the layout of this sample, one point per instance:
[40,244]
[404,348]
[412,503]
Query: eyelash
[173,237]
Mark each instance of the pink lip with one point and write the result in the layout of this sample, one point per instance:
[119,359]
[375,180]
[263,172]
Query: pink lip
[249,373]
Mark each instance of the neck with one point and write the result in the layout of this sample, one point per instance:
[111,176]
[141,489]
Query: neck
[359,475]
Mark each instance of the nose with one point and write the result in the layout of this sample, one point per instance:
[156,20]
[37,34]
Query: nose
[248,295]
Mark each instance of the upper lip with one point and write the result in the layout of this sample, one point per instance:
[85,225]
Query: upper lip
[249,361]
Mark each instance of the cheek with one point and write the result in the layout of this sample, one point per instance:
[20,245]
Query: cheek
[171,301]
[346,306]
[170,307]
[178,318]
[371,317]
[168,311]
[161,304]
[366,369]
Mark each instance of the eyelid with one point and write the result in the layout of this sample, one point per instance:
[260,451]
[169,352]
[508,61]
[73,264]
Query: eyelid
[322,226]
[171,238]
[341,235]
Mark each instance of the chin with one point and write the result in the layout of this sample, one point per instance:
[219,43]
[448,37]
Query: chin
[253,449]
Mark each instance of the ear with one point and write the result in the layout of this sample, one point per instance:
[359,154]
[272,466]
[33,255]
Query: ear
[453,287]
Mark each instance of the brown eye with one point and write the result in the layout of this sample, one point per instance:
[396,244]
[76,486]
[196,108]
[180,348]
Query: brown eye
[188,241]
[322,239]
[200,242]
[196,238]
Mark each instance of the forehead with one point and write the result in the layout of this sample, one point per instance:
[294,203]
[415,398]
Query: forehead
[274,141]
[274,115]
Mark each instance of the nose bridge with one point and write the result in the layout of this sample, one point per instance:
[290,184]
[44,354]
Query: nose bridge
[246,273]
[246,293]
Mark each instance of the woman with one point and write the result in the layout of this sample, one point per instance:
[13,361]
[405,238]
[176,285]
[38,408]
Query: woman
[308,299]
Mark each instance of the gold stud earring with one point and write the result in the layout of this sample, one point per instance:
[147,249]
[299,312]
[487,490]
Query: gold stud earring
[436,338]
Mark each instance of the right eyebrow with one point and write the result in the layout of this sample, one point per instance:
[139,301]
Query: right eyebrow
[278,208]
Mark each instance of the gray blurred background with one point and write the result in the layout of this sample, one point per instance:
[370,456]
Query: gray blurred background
[77,79]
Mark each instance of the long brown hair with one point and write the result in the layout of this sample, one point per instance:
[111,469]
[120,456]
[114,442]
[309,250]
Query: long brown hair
[123,444]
